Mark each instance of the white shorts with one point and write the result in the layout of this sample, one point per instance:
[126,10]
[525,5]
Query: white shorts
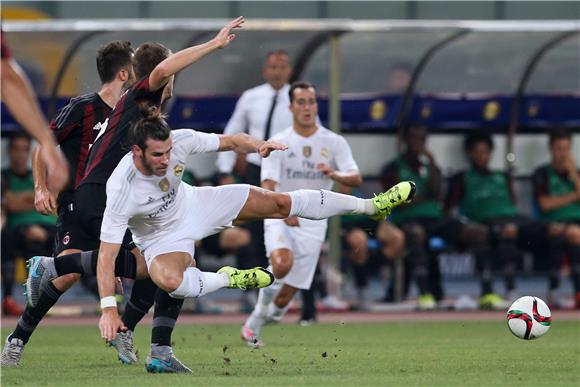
[306,251]
[211,210]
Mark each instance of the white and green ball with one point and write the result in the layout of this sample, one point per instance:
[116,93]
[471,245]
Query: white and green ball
[529,318]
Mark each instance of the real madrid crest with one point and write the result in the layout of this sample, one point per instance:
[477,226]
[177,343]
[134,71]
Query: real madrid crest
[178,169]
[164,184]
[324,152]
[307,151]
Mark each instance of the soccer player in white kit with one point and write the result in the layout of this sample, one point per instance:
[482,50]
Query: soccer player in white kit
[315,159]
[166,216]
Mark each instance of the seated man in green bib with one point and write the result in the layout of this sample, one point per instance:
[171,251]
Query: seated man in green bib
[487,196]
[423,219]
[557,195]
[27,232]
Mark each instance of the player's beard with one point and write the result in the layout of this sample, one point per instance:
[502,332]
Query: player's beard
[146,166]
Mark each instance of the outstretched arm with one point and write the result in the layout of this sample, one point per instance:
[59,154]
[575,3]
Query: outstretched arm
[350,178]
[110,323]
[244,143]
[19,97]
[181,59]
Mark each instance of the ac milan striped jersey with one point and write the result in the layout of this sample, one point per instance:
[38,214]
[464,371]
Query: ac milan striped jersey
[110,147]
[76,127]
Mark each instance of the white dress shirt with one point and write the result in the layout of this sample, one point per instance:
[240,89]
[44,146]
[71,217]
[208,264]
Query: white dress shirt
[250,116]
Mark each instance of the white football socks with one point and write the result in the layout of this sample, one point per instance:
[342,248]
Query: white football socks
[265,297]
[275,312]
[197,283]
[322,204]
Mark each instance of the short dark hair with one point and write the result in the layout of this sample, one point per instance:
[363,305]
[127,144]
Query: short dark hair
[476,137]
[560,134]
[113,57]
[154,127]
[20,135]
[298,85]
[276,52]
[147,57]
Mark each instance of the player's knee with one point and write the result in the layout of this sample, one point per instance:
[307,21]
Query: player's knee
[394,249]
[572,234]
[281,270]
[474,234]
[556,230]
[357,239]
[415,234]
[282,262]
[392,239]
[169,282]
[509,231]
[63,283]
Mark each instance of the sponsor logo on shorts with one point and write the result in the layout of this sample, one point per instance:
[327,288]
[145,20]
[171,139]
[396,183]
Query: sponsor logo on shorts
[66,239]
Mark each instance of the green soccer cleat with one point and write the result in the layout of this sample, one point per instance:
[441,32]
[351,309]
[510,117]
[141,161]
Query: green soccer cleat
[492,301]
[257,277]
[398,194]
[426,302]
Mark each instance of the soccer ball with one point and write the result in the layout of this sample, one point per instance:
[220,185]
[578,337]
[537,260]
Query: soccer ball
[529,318]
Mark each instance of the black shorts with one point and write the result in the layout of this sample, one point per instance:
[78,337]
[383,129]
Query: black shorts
[79,222]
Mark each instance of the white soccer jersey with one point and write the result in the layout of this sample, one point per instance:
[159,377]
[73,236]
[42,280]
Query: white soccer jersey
[151,205]
[296,168]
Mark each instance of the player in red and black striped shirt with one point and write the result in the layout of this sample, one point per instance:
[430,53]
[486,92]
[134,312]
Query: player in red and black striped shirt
[75,126]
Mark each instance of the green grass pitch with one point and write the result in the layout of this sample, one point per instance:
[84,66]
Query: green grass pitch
[369,354]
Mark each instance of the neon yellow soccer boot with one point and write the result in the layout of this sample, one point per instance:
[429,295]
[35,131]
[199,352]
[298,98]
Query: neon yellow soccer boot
[398,194]
[257,277]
